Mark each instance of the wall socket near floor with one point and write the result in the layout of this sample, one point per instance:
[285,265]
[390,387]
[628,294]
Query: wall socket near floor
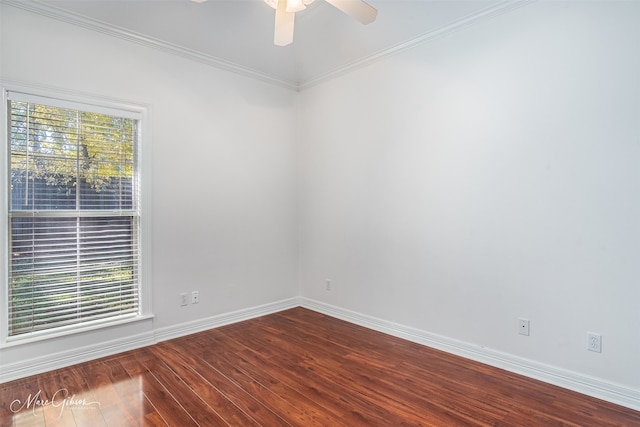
[594,342]
[184,298]
[523,326]
[327,284]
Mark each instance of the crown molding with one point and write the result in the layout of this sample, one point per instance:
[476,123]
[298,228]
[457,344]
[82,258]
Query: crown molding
[49,11]
[458,24]
[38,7]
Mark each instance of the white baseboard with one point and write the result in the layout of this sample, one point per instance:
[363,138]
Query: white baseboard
[176,331]
[580,383]
[49,362]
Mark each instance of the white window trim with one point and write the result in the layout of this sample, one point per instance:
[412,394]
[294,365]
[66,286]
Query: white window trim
[102,104]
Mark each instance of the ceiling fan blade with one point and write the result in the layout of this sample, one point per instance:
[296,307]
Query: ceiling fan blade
[356,9]
[283,34]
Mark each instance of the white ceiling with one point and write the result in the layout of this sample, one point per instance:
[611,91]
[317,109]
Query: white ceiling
[238,34]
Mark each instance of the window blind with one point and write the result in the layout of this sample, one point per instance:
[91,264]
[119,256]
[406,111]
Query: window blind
[73,216]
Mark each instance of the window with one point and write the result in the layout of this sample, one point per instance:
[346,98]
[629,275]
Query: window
[73,215]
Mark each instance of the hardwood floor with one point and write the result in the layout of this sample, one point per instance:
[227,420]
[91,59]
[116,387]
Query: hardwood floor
[295,368]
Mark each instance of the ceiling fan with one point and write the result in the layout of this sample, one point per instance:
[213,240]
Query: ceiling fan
[286,10]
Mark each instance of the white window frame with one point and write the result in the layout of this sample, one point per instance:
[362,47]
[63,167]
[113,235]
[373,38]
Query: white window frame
[97,104]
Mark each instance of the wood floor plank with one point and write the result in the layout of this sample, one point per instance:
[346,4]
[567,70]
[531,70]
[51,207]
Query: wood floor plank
[271,373]
[173,355]
[53,393]
[14,403]
[230,355]
[296,368]
[121,397]
[17,403]
[286,368]
[164,403]
[235,394]
[80,399]
[291,406]
[323,385]
[198,409]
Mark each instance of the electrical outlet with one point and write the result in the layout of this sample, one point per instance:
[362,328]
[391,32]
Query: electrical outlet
[594,342]
[327,284]
[184,299]
[523,326]
[195,297]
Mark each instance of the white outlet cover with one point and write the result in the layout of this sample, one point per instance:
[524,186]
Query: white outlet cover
[594,342]
[523,326]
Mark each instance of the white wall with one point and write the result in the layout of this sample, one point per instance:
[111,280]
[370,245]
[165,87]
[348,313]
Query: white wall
[488,175]
[223,187]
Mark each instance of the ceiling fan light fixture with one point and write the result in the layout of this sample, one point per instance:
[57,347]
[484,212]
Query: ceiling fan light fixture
[295,6]
[291,5]
[286,10]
